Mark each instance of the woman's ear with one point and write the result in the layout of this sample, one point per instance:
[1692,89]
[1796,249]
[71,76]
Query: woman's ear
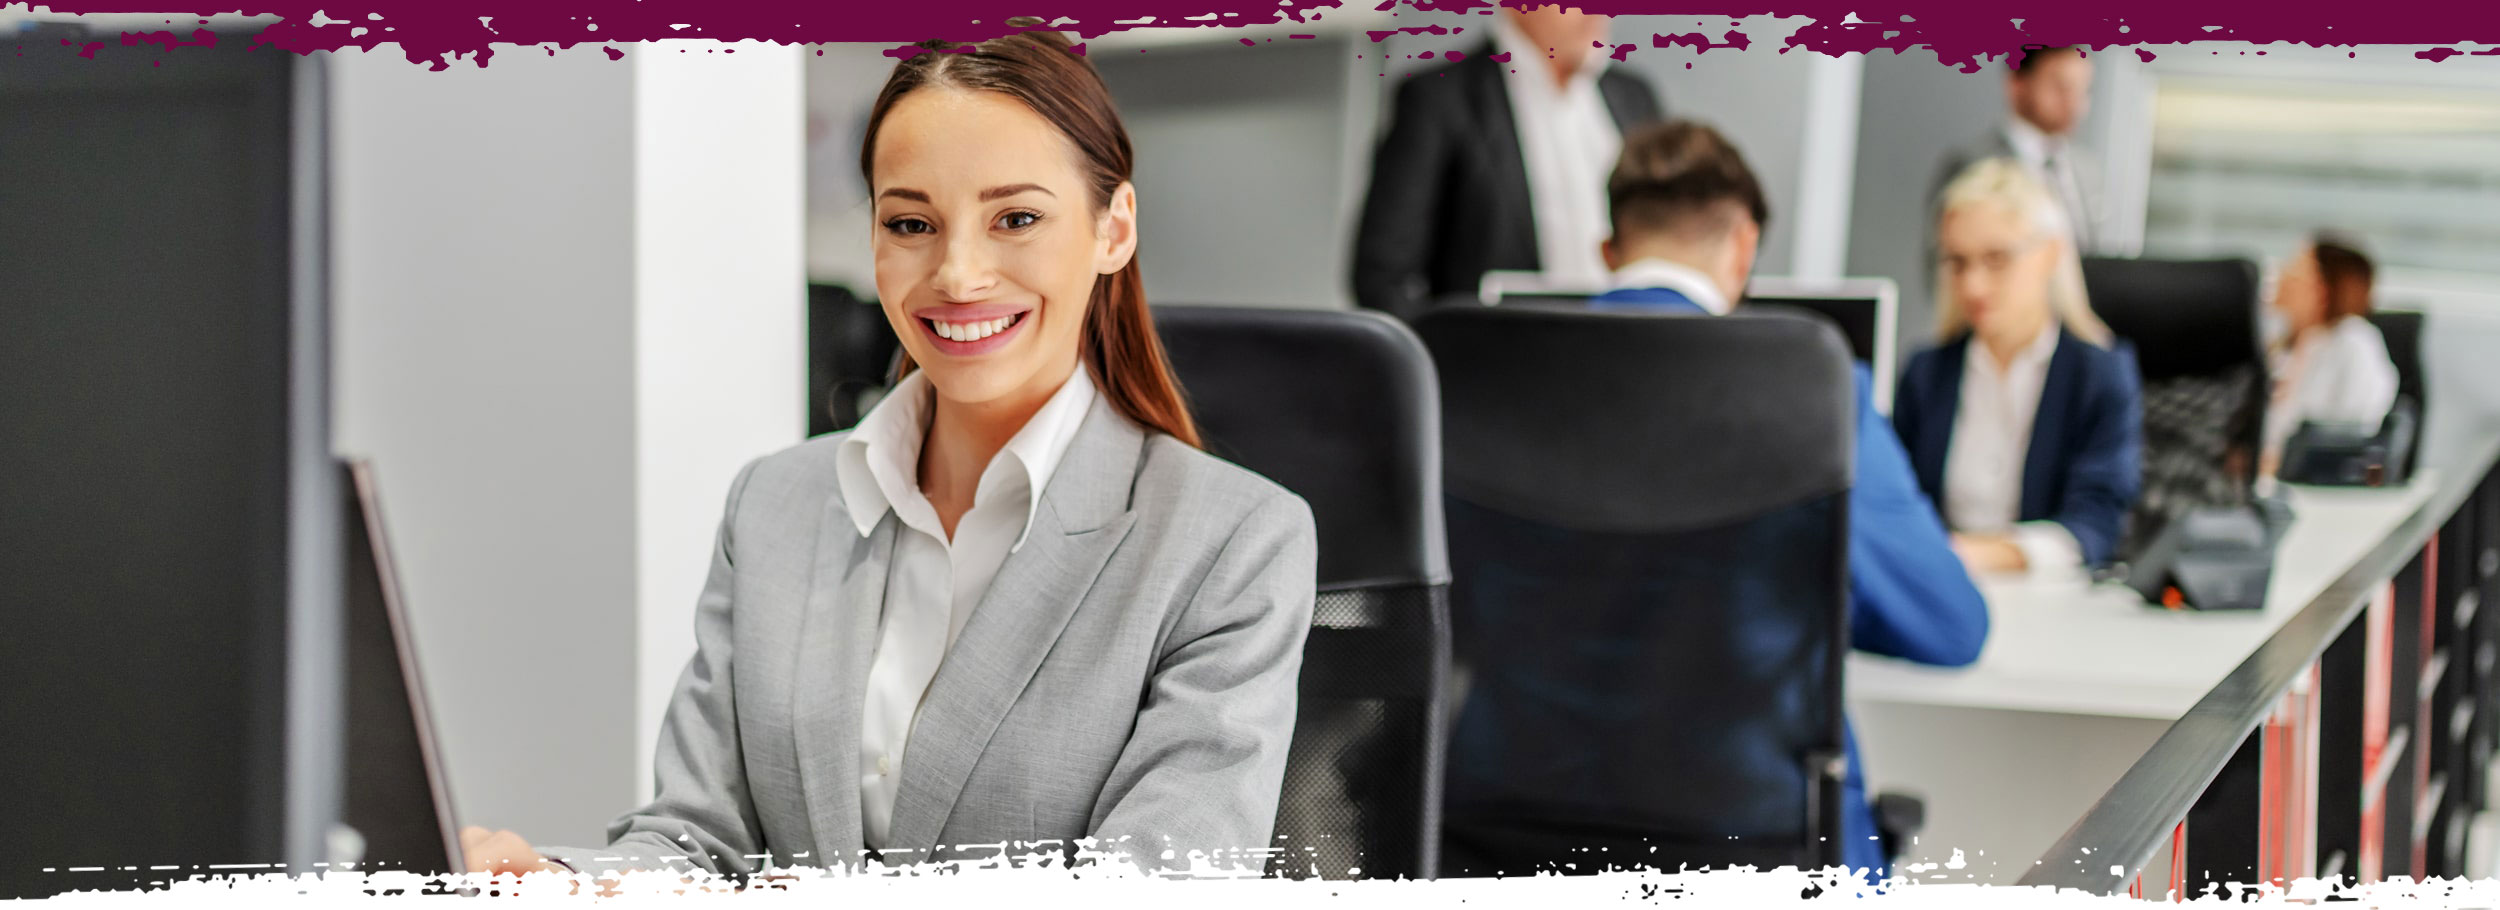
[1116,231]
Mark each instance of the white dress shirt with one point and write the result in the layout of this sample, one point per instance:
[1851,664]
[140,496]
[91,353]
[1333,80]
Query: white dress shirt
[1983,465]
[2050,159]
[1673,276]
[2331,374]
[1568,142]
[934,583]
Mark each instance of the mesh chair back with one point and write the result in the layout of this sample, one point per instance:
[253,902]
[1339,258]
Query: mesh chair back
[1651,515]
[2194,327]
[1342,409]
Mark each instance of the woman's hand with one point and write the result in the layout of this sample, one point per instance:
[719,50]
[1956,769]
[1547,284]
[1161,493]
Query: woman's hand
[1985,554]
[499,852]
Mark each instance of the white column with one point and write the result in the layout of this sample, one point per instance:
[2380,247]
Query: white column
[720,320]
[1827,165]
[568,305]
[2125,92]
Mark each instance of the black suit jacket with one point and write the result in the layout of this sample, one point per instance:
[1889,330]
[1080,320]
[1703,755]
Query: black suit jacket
[1449,190]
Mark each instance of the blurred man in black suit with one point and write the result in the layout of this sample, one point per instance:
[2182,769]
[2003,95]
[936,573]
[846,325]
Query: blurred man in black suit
[1498,161]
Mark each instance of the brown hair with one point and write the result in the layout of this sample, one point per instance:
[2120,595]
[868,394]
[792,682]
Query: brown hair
[1042,70]
[1681,176]
[2346,273]
[2021,62]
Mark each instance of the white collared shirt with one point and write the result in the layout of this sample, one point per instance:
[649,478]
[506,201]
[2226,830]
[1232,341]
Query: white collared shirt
[1568,142]
[933,584]
[1673,276]
[2050,159]
[1983,465]
[2331,374]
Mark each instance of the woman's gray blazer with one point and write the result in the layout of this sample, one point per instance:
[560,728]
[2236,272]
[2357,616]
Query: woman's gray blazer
[1130,674]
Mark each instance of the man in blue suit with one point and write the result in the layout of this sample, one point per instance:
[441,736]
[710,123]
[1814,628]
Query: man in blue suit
[1687,216]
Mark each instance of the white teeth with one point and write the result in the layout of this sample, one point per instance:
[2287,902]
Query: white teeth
[974,331]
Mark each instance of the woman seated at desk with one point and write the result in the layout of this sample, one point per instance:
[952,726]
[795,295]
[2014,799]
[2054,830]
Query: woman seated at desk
[1016,603]
[2025,425]
[2329,363]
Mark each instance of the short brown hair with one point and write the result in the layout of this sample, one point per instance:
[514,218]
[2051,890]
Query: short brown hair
[2346,273]
[1681,176]
[2022,61]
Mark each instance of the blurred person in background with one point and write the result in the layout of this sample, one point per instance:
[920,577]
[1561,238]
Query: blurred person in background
[2329,364]
[2026,422]
[2047,93]
[1498,161]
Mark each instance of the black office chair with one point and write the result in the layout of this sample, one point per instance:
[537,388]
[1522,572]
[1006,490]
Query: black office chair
[850,355]
[1650,516]
[2193,325]
[1342,409]
[2403,331]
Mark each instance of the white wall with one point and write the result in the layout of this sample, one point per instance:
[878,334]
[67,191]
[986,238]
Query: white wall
[567,307]
[720,340]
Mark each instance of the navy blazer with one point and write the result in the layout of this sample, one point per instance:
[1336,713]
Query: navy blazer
[2085,463]
[1909,596]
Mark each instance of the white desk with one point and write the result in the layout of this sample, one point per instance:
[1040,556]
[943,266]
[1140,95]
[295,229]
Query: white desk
[2076,681]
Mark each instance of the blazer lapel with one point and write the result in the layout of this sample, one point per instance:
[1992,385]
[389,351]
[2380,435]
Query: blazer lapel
[1082,517]
[2048,432]
[1512,217]
[1929,455]
[837,640]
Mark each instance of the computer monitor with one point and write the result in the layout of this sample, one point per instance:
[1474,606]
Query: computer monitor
[1510,287]
[398,803]
[1867,310]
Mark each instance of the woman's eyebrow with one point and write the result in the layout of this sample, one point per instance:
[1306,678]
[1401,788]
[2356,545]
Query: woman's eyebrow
[901,193]
[1002,192]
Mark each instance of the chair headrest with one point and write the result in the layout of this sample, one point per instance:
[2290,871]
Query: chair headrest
[2185,317]
[1338,406]
[1630,421]
[851,334]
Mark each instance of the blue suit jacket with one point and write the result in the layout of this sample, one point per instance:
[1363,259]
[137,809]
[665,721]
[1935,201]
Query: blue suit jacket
[1909,595]
[2086,458]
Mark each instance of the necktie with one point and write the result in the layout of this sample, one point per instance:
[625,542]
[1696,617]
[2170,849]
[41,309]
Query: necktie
[2068,196]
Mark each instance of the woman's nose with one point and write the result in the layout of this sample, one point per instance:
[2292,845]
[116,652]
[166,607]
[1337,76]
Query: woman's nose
[964,270]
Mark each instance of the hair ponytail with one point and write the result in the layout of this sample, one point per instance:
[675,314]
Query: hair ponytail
[1126,356]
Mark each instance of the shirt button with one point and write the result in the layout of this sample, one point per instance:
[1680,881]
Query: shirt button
[885,765]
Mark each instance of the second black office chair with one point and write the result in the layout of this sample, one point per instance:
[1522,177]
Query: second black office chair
[1650,518]
[1342,409]
[2403,331]
[2194,328]
[850,356]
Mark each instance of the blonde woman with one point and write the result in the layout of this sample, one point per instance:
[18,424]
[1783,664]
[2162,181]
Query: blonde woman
[2025,423]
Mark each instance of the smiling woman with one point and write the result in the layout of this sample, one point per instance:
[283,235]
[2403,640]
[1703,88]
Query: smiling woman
[1016,605]
[968,236]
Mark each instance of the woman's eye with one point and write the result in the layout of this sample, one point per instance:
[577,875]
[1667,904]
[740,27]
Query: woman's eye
[908,226]
[1017,221]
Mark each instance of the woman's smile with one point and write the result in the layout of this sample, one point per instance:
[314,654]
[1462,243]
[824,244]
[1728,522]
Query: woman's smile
[967,330]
